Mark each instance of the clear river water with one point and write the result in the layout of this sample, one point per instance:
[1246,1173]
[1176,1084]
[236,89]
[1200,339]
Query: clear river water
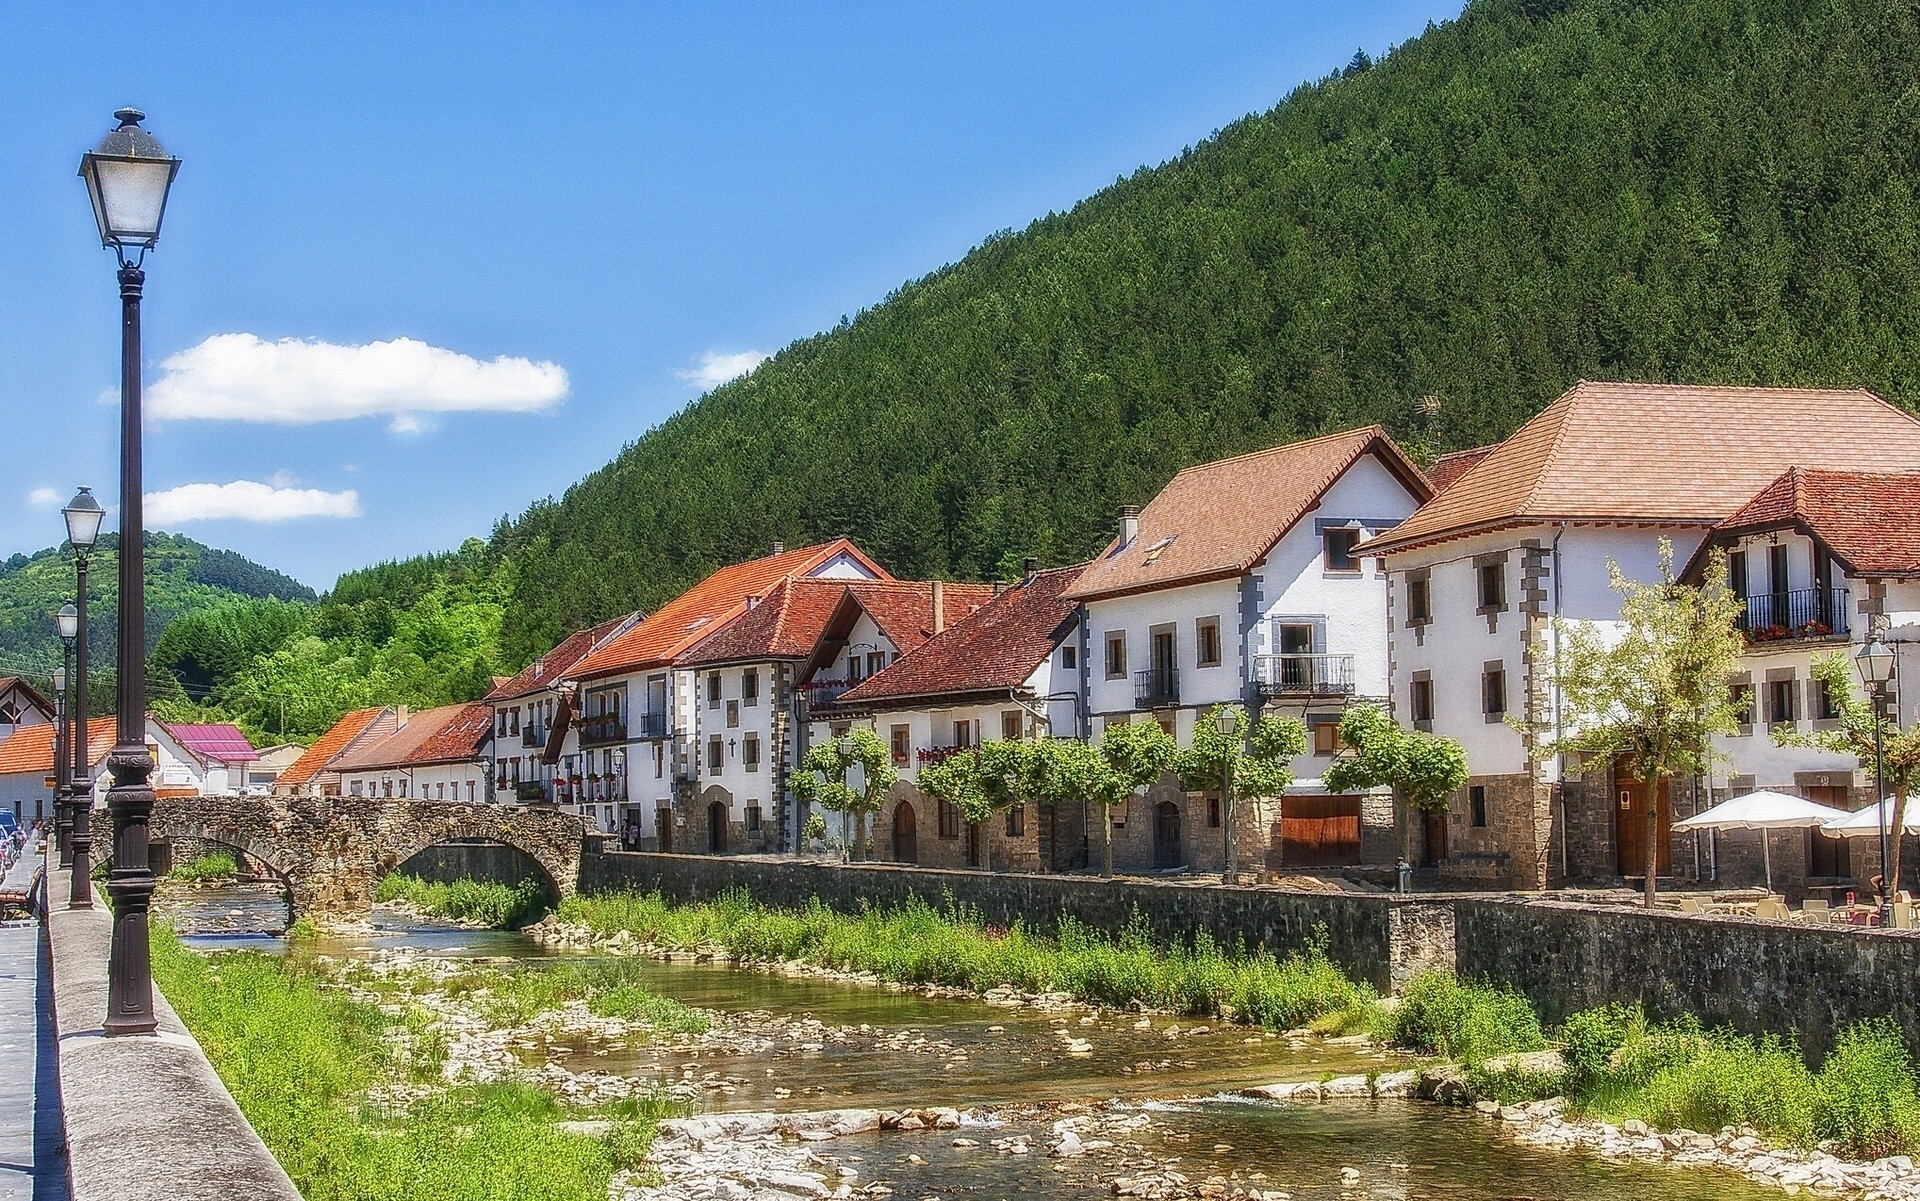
[851,1045]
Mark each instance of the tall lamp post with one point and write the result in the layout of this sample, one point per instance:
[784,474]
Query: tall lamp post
[62,817]
[83,515]
[128,176]
[1875,663]
[1226,719]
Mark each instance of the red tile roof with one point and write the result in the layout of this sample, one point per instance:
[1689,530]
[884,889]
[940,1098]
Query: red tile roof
[993,650]
[30,748]
[801,614]
[1869,520]
[547,671]
[449,734]
[701,610]
[1450,467]
[1218,519]
[1666,453]
[222,742]
[327,748]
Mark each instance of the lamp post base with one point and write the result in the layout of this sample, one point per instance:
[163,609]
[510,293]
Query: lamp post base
[130,885]
[80,885]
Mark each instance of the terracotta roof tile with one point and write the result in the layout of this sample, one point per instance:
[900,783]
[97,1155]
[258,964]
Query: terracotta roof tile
[445,735]
[1679,453]
[1218,519]
[221,741]
[801,614]
[1450,467]
[701,610]
[995,649]
[30,748]
[1869,520]
[547,671]
[326,748]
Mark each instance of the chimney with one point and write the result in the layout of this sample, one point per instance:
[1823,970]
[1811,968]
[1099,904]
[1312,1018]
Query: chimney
[1030,567]
[939,606]
[779,547]
[1129,525]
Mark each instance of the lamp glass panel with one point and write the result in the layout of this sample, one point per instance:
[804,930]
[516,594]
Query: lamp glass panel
[67,621]
[132,194]
[83,525]
[1875,662]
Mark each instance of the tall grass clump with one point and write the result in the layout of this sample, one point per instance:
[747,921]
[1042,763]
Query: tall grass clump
[497,906]
[1439,1015]
[1865,1095]
[954,946]
[515,995]
[219,865]
[298,1057]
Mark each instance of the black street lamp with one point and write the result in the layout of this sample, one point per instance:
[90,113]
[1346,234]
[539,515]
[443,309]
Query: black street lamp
[62,816]
[1875,663]
[84,515]
[1227,720]
[128,176]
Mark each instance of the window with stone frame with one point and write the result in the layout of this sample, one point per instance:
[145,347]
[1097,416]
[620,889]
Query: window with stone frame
[900,746]
[1206,642]
[1116,643]
[753,819]
[713,690]
[716,754]
[1016,821]
[1740,696]
[1013,724]
[1490,584]
[750,688]
[949,819]
[1477,806]
[1069,657]
[1419,597]
[1325,735]
[1493,692]
[1420,700]
[1826,706]
[1783,701]
[750,752]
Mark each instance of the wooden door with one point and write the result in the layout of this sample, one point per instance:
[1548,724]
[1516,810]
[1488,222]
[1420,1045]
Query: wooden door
[1433,848]
[1319,831]
[1632,800]
[663,823]
[716,827]
[1166,835]
[974,857]
[905,845]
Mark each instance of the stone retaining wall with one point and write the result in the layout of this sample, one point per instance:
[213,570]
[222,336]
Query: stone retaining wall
[1381,939]
[1755,976]
[147,1119]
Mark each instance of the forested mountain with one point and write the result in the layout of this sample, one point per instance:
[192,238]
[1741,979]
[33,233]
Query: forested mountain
[1713,190]
[182,575]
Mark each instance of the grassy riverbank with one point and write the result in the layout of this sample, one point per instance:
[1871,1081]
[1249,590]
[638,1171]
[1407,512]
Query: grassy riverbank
[1676,1075]
[497,906]
[917,944]
[307,1063]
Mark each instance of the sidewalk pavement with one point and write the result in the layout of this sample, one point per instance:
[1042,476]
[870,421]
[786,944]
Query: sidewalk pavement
[33,1161]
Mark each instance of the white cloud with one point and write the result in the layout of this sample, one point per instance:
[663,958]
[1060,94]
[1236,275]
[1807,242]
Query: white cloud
[43,497]
[239,377]
[246,500]
[716,369]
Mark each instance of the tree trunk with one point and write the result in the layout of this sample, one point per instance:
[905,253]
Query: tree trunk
[1653,849]
[1106,842]
[1899,827]
[861,850]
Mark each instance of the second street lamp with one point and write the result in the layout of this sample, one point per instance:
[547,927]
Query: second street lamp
[1875,663]
[1227,720]
[66,621]
[83,515]
[128,178]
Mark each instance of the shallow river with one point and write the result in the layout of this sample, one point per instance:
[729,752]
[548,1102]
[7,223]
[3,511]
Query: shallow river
[906,1050]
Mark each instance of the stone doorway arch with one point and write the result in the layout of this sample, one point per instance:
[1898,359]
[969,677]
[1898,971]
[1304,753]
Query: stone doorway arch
[717,827]
[1167,851]
[906,844]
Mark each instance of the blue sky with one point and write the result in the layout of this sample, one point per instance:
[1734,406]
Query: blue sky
[449,264]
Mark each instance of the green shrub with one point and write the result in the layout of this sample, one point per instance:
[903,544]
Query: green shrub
[220,865]
[497,906]
[1468,1022]
[1864,1095]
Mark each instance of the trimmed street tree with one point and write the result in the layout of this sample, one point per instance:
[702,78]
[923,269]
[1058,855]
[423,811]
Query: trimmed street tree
[1899,751]
[1423,770]
[822,779]
[1649,701]
[1261,766]
[982,780]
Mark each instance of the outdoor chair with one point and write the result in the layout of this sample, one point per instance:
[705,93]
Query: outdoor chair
[1690,905]
[1772,907]
[1815,910]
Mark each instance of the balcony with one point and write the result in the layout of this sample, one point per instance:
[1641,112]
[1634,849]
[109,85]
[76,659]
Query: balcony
[822,694]
[1303,675]
[650,725]
[606,727]
[1158,688]
[1794,615]
[532,737]
[534,791]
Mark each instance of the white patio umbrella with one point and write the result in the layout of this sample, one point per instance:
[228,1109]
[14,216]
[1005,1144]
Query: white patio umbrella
[1864,822]
[1764,811]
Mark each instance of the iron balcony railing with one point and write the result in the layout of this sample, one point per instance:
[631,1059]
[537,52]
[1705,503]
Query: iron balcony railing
[1795,613]
[604,728]
[650,725]
[820,694]
[1156,688]
[1303,675]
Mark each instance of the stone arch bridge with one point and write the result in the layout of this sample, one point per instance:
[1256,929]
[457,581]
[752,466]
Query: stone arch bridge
[333,851]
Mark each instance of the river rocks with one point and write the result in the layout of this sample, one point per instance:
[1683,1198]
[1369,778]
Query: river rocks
[1533,1063]
[1447,1083]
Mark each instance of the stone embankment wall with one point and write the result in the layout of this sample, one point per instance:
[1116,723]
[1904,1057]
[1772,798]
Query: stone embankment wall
[1381,939]
[1755,976]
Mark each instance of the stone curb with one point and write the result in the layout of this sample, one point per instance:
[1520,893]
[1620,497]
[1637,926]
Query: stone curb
[147,1117]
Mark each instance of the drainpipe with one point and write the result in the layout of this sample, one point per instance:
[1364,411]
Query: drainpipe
[1560,754]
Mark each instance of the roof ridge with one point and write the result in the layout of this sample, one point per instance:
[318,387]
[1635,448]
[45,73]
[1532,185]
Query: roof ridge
[1373,430]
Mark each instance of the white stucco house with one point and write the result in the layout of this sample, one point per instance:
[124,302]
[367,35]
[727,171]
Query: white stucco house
[1524,535]
[436,755]
[1241,582]
[535,750]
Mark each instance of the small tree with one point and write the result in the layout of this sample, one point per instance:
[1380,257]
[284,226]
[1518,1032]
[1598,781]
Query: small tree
[982,780]
[1423,770]
[822,779]
[1899,752]
[1130,757]
[1261,771]
[1650,700]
